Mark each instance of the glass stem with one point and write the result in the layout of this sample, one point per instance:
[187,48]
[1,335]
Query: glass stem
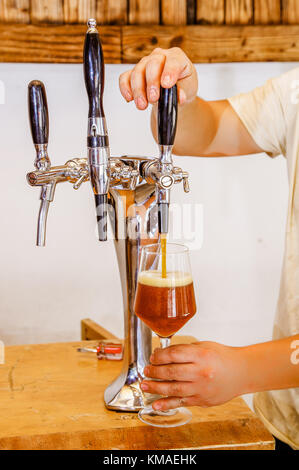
[164,342]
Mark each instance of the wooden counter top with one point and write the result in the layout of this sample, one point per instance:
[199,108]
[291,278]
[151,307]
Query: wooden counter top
[51,397]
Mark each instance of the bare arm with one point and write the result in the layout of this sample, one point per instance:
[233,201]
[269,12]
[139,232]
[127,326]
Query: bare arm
[208,374]
[209,129]
[205,128]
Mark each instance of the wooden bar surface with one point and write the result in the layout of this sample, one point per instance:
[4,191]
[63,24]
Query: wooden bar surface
[51,397]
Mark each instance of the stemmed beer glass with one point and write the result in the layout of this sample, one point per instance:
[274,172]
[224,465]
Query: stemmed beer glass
[165,304]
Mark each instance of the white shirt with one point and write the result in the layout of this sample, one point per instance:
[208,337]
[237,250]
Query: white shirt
[271,115]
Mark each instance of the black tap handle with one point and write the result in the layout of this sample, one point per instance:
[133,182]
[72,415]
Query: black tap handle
[94,74]
[38,112]
[167,115]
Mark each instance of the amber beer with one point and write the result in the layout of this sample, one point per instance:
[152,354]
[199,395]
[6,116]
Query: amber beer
[165,304]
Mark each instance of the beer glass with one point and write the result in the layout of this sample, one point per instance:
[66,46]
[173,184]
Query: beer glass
[164,304]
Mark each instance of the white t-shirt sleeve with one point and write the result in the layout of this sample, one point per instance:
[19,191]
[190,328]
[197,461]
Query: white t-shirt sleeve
[262,111]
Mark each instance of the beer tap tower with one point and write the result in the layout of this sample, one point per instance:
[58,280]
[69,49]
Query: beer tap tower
[133,190]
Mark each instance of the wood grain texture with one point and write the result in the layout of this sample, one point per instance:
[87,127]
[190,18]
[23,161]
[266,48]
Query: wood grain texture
[91,330]
[14,11]
[51,397]
[78,11]
[267,11]
[210,11]
[31,43]
[112,12]
[173,12]
[290,11]
[238,12]
[128,44]
[230,43]
[44,11]
[144,11]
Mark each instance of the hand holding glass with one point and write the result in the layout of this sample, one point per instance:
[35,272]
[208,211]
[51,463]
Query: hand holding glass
[165,304]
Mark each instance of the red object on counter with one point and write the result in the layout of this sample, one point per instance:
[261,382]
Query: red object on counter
[105,350]
[111,351]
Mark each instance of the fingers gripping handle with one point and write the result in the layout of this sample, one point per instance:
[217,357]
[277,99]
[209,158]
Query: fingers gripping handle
[167,115]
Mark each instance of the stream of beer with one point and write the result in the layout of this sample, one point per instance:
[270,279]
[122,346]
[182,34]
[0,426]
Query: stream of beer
[163,250]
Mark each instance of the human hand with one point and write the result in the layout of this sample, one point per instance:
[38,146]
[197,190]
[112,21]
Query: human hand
[164,67]
[203,374]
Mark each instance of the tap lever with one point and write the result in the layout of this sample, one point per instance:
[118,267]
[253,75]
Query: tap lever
[94,72]
[167,115]
[39,122]
[97,135]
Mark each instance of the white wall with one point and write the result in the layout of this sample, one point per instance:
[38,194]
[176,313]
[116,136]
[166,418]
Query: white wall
[46,291]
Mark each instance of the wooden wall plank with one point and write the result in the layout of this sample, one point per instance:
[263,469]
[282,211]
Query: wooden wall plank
[191,11]
[44,11]
[78,11]
[111,11]
[14,11]
[210,11]
[59,44]
[41,43]
[144,11]
[173,12]
[230,43]
[290,11]
[267,11]
[238,12]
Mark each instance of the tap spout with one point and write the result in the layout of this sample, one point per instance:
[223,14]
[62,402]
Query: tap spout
[42,223]
[46,197]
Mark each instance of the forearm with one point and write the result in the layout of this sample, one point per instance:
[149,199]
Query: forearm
[271,366]
[209,129]
[196,128]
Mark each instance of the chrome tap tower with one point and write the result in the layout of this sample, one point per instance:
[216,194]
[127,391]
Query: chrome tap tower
[133,190]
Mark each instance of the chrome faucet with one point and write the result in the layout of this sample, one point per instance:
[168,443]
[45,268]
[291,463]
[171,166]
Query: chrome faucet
[133,190]
[162,172]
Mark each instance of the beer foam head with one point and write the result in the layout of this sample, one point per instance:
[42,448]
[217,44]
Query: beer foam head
[173,278]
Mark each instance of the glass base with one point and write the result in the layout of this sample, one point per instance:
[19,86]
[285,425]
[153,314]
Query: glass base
[165,419]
